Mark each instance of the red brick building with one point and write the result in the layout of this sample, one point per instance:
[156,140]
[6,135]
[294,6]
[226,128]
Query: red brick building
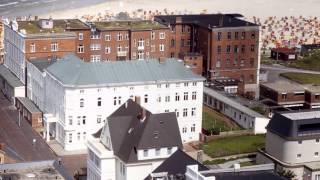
[284,54]
[229,45]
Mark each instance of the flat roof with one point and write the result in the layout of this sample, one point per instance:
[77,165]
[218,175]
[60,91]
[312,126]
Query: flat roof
[302,115]
[59,26]
[312,88]
[128,25]
[284,86]
[313,165]
[231,102]
[209,21]
[28,104]
[10,77]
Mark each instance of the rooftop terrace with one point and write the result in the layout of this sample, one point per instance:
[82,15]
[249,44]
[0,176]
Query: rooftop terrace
[128,25]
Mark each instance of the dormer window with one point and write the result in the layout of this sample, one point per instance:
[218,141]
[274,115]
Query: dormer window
[145,153]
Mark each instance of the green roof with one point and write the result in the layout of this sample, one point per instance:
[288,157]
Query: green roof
[73,72]
[128,25]
[12,80]
[59,26]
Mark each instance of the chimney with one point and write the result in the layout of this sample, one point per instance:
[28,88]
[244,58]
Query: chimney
[178,20]
[138,100]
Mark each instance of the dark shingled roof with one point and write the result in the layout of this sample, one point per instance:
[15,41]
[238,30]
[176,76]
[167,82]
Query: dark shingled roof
[294,129]
[204,20]
[249,175]
[177,164]
[129,134]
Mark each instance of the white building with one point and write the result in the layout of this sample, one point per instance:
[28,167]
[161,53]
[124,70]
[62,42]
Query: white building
[132,143]
[80,95]
[241,114]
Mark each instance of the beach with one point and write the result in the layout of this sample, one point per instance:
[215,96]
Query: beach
[249,8]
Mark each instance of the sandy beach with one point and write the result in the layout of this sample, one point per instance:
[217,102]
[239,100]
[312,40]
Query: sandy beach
[249,8]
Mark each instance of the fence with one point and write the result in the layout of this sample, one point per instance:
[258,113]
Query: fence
[207,138]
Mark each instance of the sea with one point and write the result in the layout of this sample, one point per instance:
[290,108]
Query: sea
[13,8]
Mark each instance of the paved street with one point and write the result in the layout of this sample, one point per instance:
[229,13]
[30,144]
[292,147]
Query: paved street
[276,70]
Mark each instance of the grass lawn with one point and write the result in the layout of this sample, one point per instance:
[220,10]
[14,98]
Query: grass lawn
[302,78]
[247,163]
[212,120]
[233,145]
[311,62]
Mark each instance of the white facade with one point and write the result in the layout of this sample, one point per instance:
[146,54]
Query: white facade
[14,45]
[103,164]
[74,122]
[242,115]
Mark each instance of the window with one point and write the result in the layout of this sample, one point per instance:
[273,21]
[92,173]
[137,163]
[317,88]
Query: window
[219,36]
[253,35]
[81,102]
[162,35]
[166,111]
[70,120]
[84,135]
[99,101]
[284,96]
[185,96]
[185,112]
[218,63]
[153,35]
[193,128]
[317,96]
[80,36]
[177,112]
[169,150]
[316,154]
[219,49]
[177,97]
[78,136]
[159,99]
[229,35]
[140,55]
[235,49]
[186,84]
[107,37]
[242,62]
[107,50]
[79,120]
[54,46]
[236,35]
[172,43]
[252,48]
[157,152]
[184,130]
[126,36]
[119,37]
[193,111]
[145,153]
[95,36]
[167,85]
[95,47]
[115,101]
[194,95]
[161,47]
[32,47]
[99,117]
[83,120]
[153,48]
[317,140]
[243,49]
[167,99]
[298,156]
[141,43]
[81,48]
[243,35]
[119,100]
[228,48]
[300,142]
[194,83]
[70,138]
[95,58]
[146,98]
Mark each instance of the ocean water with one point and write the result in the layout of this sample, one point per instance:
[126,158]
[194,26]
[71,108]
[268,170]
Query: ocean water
[11,8]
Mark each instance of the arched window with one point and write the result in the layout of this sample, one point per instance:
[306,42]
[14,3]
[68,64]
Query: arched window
[99,101]
[81,102]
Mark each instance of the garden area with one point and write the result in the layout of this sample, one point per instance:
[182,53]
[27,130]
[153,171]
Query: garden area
[233,145]
[214,122]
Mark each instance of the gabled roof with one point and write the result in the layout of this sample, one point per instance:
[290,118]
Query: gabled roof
[73,72]
[129,134]
[209,21]
[177,164]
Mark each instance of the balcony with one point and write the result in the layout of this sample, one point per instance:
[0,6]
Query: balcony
[122,53]
[140,47]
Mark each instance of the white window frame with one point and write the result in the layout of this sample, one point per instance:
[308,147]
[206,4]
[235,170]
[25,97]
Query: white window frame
[162,35]
[80,35]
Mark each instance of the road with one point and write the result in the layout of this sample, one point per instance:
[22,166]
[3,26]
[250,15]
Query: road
[274,72]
